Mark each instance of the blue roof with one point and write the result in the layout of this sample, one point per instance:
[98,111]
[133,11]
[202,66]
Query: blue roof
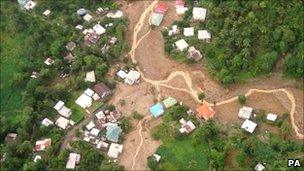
[157,110]
[113,132]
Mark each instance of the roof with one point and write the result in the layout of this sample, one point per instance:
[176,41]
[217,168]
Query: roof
[170,101]
[69,57]
[181,44]
[70,46]
[157,18]
[157,110]
[73,159]
[113,132]
[115,150]
[46,12]
[79,27]
[87,17]
[94,131]
[30,5]
[41,145]
[64,111]
[81,11]
[259,167]
[100,115]
[188,31]
[59,105]
[90,76]
[37,157]
[115,14]
[271,117]
[62,122]
[90,125]
[89,92]
[203,34]
[157,157]
[102,144]
[49,61]
[122,74]
[245,112]
[95,97]
[10,137]
[46,122]
[99,29]
[249,126]
[194,53]
[199,13]
[84,101]
[179,2]
[102,90]
[187,127]
[161,7]
[181,10]
[205,112]
[132,77]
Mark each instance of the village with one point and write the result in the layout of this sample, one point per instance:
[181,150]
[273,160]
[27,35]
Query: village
[97,114]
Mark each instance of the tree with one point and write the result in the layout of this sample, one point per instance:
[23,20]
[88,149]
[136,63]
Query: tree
[217,159]
[201,96]
[126,125]
[242,99]
[152,163]
[137,115]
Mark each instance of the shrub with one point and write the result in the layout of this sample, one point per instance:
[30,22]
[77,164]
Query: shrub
[242,99]
[201,96]
[137,115]
[152,164]
[122,102]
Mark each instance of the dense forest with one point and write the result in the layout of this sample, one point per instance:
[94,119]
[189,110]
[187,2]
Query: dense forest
[27,39]
[249,38]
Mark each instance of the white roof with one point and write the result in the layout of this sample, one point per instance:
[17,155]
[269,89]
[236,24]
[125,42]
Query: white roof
[271,117]
[84,101]
[49,61]
[46,12]
[122,74]
[102,144]
[157,157]
[259,167]
[115,150]
[74,159]
[79,27]
[199,13]
[175,29]
[89,92]
[37,157]
[85,31]
[181,10]
[204,34]
[99,29]
[87,17]
[182,121]
[47,122]
[95,96]
[30,5]
[59,105]
[117,14]
[132,77]
[64,111]
[188,31]
[94,131]
[181,44]
[249,126]
[62,122]
[100,115]
[86,138]
[90,125]
[71,122]
[90,76]
[245,112]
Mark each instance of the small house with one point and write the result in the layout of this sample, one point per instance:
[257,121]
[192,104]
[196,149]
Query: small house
[199,13]
[87,17]
[113,132]
[249,126]
[187,127]
[30,5]
[99,29]
[64,111]
[157,110]
[62,122]
[84,101]
[46,122]
[35,74]
[271,117]
[180,7]
[115,150]
[113,40]
[194,54]
[10,137]
[114,116]
[188,31]
[36,158]
[69,58]
[41,145]
[205,111]
[122,74]
[95,97]
[157,157]
[90,125]
[102,90]
[157,18]
[91,38]
[259,167]
[94,132]
[245,112]
[170,101]
[102,145]
[81,12]
[181,45]
[100,115]
[49,61]
[204,35]
[90,76]
[115,14]
[46,13]
[161,7]
[70,46]
[79,27]
[73,160]
[132,77]
[59,105]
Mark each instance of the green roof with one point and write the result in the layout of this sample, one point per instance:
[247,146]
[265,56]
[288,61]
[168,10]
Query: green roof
[169,102]
[157,18]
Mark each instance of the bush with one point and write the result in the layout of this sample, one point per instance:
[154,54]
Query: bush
[137,115]
[242,99]
[126,125]
[122,102]
[201,96]
[152,164]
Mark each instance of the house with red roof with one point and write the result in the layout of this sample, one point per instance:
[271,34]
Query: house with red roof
[205,112]
[161,7]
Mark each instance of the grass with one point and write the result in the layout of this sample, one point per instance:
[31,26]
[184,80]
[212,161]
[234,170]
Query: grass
[78,113]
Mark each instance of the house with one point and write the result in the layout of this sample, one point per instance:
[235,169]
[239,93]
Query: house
[22,2]
[46,13]
[245,112]
[87,17]
[94,132]
[69,58]
[70,46]
[30,5]
[156,19]
[46,122]
[180,7]
[90,77]
[102,90]
[35,74]
[132,77]
[100,115]
[91,38]
[95,97]
[175,29]
[249,126]
[84,101]
[49,61]
[115,14]
[205,112]
[79,27]
[271,117]
[188,31]
[62,122]
[64,111]
[10,137]
[181,44]
[81,12]
[41,145]
[59,105]
[73,159]
[204,35]
[259,167]
[99,10]
[187,127]
[182,121]
[199,13]
[161,7]
[194,54]
[102,145]
[157,157]
[115,150]
[90,125]
[113,132]
[169,102]
[99,29]
[114,116]
[113,40]
[157,110]
[122,74]
[36,158]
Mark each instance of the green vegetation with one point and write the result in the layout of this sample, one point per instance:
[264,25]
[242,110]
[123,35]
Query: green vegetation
[201,96]
[137,115]
[125,124]
[248,38]
[242,99]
